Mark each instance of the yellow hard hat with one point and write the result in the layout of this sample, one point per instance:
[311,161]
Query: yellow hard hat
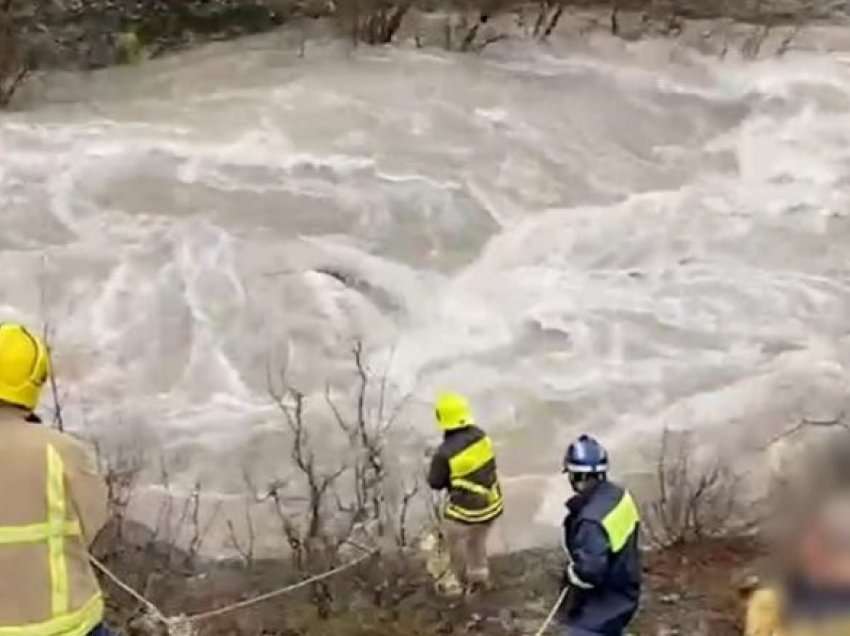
[24,366]
[453,412]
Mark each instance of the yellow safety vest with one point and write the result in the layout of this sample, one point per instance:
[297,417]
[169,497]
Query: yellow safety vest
[476,496]
[53,532]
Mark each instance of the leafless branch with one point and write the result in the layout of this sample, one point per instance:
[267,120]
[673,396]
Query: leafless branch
[466,44]
[166,508]
[199,530]
[491,39]
[47,337]
[753,43]
[385,376]
[14,69]
[543,12]
[553,22]
[404,509]
[120,475]
[12,87]
[363,375]
[693,501]
[346,428]
[615,12]
[837,422]
[372,21]
[333,510]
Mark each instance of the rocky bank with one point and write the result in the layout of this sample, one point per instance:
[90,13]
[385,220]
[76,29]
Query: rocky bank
[692,589]
[74,34]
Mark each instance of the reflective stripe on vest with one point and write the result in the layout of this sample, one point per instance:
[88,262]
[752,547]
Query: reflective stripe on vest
[471,458]
[475,516]
[53,532]
[621,522]
[493,494]
[56,522]
[78,623]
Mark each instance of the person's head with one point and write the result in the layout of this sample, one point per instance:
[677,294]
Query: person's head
[24,366]
[586,463]
[822,555]
[453,412]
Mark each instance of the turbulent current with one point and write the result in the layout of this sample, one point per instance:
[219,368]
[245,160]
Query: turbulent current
[612,237]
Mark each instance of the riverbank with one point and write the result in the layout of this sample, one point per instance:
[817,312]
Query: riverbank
[88,34]
[690,589]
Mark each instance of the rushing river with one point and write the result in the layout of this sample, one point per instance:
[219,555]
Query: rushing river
[607,238]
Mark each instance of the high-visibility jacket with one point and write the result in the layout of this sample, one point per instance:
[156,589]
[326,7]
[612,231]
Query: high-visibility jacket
[54,504]
[601,535]
[465,464]
[770,612]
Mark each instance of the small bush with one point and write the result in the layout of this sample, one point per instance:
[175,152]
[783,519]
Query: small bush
[372,21]
[696,499]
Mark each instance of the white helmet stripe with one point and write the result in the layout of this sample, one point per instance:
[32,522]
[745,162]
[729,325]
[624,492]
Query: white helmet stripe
[585,468]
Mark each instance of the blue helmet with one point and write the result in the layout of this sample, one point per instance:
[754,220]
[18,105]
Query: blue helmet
[586,455]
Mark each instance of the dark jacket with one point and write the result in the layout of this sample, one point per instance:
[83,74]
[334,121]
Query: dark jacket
[601,535]
[807,601]
[465,465]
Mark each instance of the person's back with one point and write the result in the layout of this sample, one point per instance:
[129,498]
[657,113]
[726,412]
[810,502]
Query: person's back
[610,561]
[465,466]
[54,504]
[601,537]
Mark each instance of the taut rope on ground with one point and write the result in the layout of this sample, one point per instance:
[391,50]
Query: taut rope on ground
[176,622]
[179,625]
[552,613]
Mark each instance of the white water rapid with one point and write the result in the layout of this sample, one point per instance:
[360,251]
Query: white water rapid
[603,237]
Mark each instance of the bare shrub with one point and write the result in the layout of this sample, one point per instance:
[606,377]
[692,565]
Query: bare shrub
[372,21]
[197,529]
[330,505]
[326,506]
[244,548]
[14,67]
[121,474]
[810,442]
[696,498]
[475,16]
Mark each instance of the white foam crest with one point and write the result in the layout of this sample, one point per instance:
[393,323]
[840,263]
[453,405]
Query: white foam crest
[666,244]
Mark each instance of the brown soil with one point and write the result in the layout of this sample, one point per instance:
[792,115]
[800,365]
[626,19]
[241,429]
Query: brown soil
[689,590]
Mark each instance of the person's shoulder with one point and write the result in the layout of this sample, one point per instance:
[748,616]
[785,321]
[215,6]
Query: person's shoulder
[72,447]
[601,501]
[475,433]
[615,489]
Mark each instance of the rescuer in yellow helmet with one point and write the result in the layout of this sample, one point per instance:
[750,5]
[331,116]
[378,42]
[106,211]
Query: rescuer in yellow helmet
[465,465]
[54,504]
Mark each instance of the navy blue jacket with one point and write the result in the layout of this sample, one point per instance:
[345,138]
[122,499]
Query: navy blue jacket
[601,534]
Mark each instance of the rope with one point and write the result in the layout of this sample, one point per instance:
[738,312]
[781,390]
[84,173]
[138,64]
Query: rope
[283,590]
[182,624]
[153,609]
[172,623]
[552,612]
